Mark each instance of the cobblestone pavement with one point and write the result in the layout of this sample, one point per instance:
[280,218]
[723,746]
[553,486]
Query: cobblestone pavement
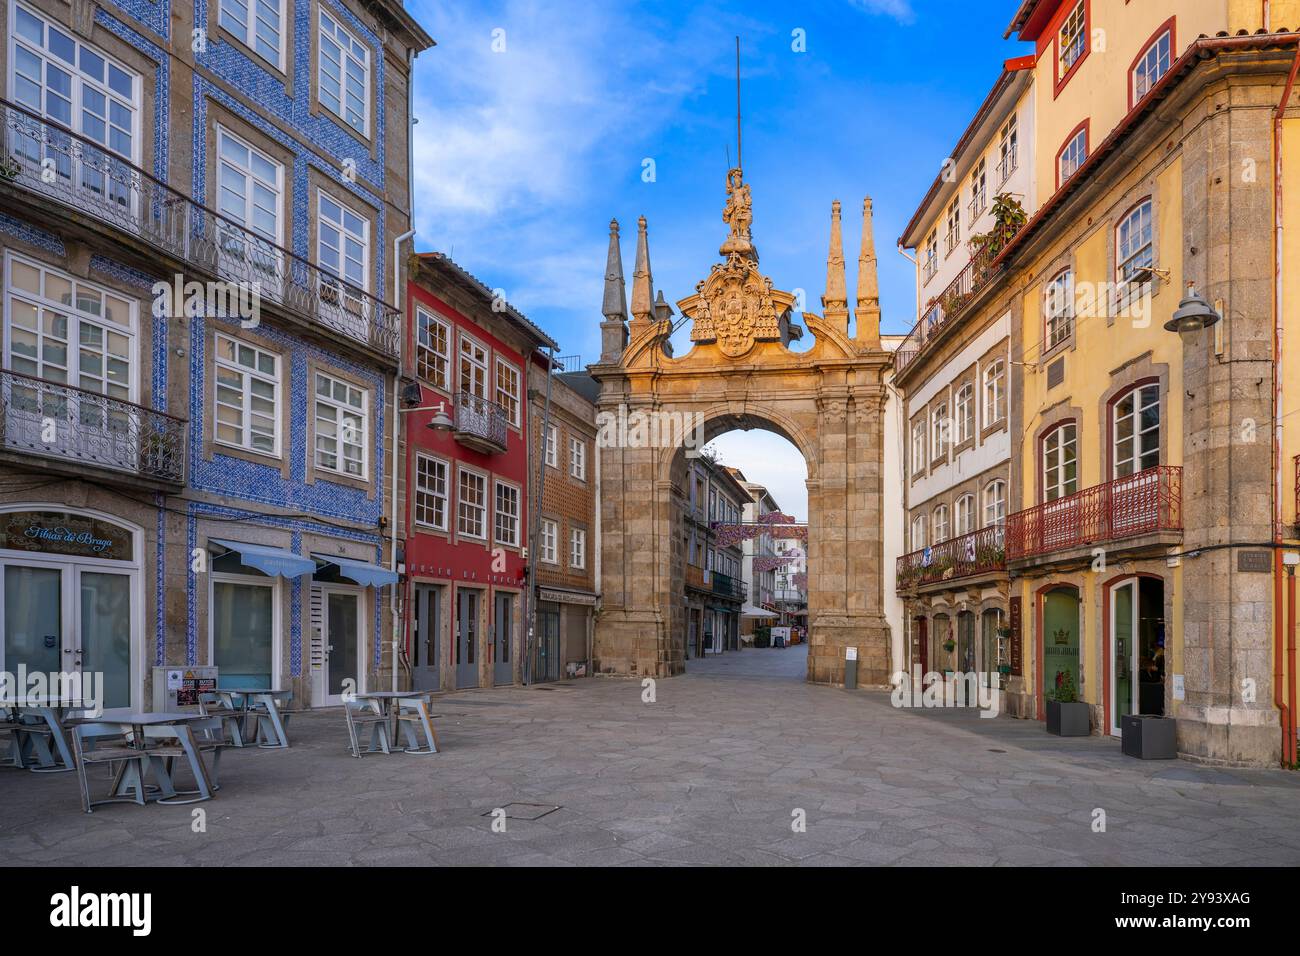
[708,774]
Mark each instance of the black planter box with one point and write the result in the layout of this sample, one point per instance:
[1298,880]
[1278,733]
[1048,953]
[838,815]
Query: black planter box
[1068,720]
[1148,737]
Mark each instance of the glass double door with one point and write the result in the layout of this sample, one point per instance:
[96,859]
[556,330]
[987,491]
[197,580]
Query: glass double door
[70,619]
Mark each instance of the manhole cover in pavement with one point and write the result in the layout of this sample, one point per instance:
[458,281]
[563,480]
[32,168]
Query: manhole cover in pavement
[524,811]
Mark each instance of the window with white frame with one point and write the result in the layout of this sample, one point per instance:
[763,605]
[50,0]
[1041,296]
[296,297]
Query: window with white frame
[433,349]
[1073,156]
[964,519]
[55,75]
[919,525]
[258,24]
[1008,152]
[342,241]
[1059,309]
[63,329]
[919,459]
[931,256]
[343,84]
[552,446]
[577,549]
[995,392]
[247,396]
[1152,65]
[979,197]
[941,527]
[1072,39]
[473,367]
[550,541]
[578,458]
[1137,431]
[1133,241]
[508,389]
[964,413]
[471,504]
[1060,462]
[430,492]
[953,235]
[250,192]
[995,504]
[342,414]
[506,515]
[940,426]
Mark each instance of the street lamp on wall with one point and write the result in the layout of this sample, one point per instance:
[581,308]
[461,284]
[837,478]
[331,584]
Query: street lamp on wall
[1193,314]
[441,421]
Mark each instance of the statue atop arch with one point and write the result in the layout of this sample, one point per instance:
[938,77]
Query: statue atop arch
[736,306]
[738,213]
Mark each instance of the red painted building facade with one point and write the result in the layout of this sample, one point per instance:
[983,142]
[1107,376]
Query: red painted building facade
[466,479]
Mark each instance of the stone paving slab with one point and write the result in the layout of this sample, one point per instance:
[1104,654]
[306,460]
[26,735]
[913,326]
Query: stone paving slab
[710,774]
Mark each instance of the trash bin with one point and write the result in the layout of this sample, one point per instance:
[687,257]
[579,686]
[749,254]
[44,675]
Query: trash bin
[850,668]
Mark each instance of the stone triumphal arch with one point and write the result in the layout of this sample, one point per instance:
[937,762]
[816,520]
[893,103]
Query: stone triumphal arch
[829,402]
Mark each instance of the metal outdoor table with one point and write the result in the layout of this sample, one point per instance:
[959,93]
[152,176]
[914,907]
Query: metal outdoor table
[392,700]
[52,713]
[129,773]
[266,696]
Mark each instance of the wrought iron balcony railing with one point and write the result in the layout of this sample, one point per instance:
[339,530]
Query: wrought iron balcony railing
[979,552]
[481,424]
[46,158]
[946,307]
[61,421]
[724,585]
[1006,166]
[1146,503]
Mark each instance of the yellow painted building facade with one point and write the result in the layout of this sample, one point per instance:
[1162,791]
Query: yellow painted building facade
[1153,487]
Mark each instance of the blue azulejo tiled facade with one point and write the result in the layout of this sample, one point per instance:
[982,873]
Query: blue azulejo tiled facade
[110,471]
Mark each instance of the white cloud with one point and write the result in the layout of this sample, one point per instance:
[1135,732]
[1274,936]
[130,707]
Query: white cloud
[513,148]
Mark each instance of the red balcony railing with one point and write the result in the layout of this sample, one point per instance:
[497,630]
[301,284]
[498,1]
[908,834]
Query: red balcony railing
[976,553]
[946,307]
[1146,503]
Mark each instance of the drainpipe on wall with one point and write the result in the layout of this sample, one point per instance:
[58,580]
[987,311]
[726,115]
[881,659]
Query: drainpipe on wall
[397,443]
[535,524]
[591,618]
[400,301]
[1286,709]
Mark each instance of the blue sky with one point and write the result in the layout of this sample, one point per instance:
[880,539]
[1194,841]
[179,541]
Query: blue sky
[522,156]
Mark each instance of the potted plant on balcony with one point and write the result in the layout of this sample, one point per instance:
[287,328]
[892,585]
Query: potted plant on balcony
[1149,736]
[10,168]
[1067,716]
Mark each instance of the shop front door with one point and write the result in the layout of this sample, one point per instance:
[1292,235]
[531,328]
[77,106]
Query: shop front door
[426,627]
[342,645]
[503,630]
[548,646]
[467,605]
[65,619]
[1061,641]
